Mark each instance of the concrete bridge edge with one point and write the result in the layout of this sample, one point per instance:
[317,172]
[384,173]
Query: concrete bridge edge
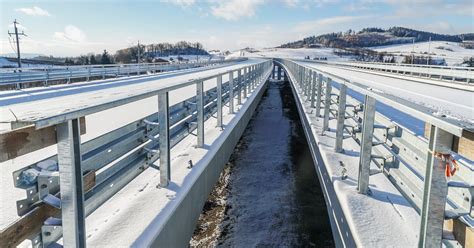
[340,228]
[180,225]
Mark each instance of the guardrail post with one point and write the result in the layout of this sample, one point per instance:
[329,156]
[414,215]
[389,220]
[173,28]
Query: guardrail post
[327,105]
[231,92]
[250,83]
[366,145]
[435,189]
[71,185]
[305,81]
[88,73]
[239,87]
[103,72]
[219,101]
[313,89]
[70,75]
[341,116]
[46,83]
[254,76]
[18,85]
[200,113]
[318,95]
[308,83]
[164,138]
[300,81]
[245,81]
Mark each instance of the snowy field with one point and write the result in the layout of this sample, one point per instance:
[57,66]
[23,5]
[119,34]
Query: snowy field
[297,53]
[452,52]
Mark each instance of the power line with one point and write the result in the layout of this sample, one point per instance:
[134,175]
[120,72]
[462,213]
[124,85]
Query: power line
[17,41]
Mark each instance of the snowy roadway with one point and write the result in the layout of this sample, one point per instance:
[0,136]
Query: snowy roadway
[33,104]
[45,101]
[452,102]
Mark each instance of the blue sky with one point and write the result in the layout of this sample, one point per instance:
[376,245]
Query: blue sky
[66,28]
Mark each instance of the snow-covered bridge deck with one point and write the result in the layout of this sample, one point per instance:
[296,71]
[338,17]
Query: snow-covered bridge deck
[128,149]
[122,136]
[358,148]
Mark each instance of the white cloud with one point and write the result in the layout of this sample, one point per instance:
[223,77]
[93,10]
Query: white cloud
[332,24]
[181,3]
[33,11]
[291,3]
[233,10]
[71,33]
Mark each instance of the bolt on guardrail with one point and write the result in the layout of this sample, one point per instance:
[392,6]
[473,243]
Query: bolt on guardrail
[150,139]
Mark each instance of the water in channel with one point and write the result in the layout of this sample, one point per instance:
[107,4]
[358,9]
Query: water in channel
[269,194]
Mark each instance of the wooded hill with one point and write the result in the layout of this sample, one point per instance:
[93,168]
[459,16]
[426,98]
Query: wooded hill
[369,37]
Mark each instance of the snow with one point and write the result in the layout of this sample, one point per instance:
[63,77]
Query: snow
[457,103]
[6,63]
[127,218]
[62,98]
[438,49]
[384,218]
[297,53]
[191,58]
[34,104]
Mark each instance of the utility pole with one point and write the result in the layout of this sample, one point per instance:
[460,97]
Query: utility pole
[17,41]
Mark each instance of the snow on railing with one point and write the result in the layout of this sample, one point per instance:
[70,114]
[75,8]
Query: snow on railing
[102,166]
[21,78]
[412,163]
[445,73]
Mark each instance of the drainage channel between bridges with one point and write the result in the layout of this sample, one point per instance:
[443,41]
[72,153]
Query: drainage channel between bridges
[269,193]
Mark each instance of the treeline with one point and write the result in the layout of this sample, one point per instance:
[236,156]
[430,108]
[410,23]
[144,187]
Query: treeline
[149,53]
[91,59]
[369,37]
[140,53]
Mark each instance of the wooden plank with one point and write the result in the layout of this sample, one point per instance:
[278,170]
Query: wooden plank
[28,139]
[30,224]
[464,234]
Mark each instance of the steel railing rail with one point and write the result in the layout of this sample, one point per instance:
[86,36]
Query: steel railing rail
[458,74]
[26,76]
[117,157]
[409,161]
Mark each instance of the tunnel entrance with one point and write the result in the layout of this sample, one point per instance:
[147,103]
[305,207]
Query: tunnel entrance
[269,193]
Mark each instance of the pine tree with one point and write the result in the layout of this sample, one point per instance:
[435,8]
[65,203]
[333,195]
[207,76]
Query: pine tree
[105,59]
[92,60]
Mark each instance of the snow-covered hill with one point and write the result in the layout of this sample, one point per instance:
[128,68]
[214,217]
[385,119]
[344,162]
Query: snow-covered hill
[294,53]
[452,52]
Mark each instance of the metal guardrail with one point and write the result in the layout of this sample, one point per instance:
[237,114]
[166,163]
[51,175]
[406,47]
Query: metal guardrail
[117,157]
[68,73]
[410,162]
[445,73]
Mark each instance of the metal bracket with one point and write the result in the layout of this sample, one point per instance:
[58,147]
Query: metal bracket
[38,184]
[50,234]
